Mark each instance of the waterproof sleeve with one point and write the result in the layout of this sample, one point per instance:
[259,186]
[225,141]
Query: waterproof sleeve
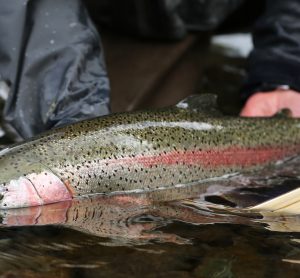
[275,59]
[50,55]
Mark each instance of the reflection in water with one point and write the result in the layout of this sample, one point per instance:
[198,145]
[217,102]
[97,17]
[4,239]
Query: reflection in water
[123,219]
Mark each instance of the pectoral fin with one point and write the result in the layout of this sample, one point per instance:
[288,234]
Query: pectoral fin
[288,203]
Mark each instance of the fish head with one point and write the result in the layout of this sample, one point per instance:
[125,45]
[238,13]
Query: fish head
[30,184]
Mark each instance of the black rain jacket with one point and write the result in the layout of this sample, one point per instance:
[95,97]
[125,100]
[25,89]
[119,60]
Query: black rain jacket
[51,67]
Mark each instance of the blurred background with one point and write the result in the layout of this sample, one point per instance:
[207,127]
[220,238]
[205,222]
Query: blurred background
[149,67]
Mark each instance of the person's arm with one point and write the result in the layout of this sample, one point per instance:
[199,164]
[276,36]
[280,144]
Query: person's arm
[275,61]
[51,55]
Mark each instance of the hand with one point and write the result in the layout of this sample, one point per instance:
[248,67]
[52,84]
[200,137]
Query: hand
[265,104]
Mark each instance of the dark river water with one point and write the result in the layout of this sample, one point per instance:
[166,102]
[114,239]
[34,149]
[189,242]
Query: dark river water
[204,232]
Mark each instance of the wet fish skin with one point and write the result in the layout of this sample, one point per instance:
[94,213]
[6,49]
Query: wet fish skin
[140,151]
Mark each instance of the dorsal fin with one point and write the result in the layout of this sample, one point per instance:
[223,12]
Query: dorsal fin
[205,104]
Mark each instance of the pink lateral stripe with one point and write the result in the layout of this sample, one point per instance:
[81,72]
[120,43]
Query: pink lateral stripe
[231,156]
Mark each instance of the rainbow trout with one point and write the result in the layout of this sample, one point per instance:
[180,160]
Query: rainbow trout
[142,151]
